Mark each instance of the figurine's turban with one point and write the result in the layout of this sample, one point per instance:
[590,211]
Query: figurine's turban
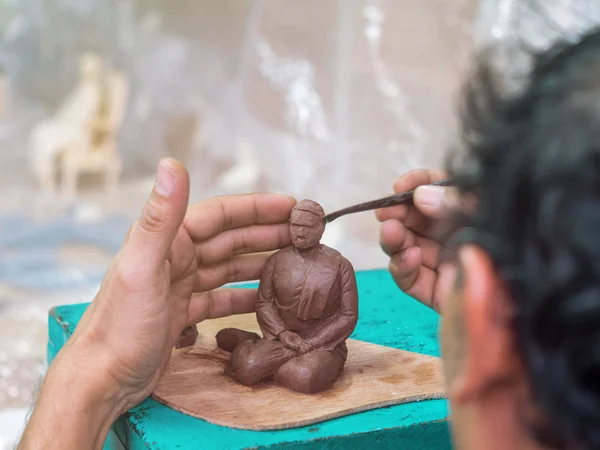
[311,207]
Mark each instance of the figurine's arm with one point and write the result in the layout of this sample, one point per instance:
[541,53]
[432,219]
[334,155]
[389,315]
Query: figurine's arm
[339,327]
[267,314]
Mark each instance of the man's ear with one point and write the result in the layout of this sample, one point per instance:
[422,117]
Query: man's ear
[488,357]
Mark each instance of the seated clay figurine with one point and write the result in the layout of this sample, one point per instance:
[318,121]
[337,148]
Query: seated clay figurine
[307,307]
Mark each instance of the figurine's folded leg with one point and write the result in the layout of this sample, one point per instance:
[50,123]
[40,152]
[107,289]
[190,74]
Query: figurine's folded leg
[187,338]
[312,372]
[254,362]
[229,338]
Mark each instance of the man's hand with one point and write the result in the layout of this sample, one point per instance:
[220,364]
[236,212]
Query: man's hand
[290,340]
[163,280]
[408,237]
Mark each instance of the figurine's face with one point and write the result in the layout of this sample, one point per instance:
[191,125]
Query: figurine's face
[306,229]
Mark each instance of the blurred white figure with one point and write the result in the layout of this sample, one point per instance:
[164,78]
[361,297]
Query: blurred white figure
[98,152]
[68,127]
[81,136]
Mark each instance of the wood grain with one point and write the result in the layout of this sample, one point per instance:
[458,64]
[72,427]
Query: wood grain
[374,376]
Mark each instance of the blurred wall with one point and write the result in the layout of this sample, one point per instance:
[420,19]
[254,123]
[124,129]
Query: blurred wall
[314,88]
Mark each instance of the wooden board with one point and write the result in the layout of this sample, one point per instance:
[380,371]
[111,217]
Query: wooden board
[387,317]
[374,376]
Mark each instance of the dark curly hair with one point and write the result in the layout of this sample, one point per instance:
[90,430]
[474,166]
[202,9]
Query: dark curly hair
[532,161]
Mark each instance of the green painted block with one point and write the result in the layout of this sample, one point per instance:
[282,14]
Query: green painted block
[387,317]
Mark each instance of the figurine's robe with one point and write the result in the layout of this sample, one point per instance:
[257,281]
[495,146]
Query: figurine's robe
[314,296]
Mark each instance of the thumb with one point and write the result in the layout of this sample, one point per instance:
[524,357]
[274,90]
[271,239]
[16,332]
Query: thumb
[436,202]
[162,214]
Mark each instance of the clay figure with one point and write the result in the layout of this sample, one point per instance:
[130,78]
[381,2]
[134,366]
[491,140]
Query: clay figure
[307,307]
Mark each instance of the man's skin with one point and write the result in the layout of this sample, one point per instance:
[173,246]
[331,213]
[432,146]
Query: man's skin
[164,279]
[487,386]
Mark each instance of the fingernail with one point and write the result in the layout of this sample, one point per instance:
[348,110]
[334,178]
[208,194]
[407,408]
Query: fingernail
[165,180]
[430,196]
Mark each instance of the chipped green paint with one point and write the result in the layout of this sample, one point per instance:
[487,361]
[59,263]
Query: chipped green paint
[387,317]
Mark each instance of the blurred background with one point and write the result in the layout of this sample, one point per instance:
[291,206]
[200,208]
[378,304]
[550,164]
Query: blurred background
[324,99]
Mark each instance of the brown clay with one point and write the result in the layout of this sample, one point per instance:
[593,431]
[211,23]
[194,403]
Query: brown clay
[307,307]
[187,338]
[229,338]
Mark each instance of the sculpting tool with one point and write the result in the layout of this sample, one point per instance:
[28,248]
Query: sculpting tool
[402,198]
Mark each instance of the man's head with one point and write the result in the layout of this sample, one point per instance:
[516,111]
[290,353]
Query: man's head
[521,332]
[306,224]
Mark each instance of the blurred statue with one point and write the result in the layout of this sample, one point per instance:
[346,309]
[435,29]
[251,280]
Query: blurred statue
[81,136]
[99,152]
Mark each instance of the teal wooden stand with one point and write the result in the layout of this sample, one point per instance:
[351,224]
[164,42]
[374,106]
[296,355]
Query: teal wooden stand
[387,317]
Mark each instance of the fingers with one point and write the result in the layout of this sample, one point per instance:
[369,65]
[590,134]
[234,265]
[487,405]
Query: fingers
[409,234]
[393,212]
[239,268]
[430,287]
[395,238]
[161,216]
[239,241]
[431,203]
[211,217]
[432,216]
[220,303]
[408,182]
[418,177]
[412,277]
[436,202]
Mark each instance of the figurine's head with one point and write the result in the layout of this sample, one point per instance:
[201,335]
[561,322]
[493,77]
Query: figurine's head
[306,224]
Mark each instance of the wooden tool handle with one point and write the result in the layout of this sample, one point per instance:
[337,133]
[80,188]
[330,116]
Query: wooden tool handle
[392,200]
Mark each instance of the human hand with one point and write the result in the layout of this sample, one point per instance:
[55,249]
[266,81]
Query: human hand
[164,278]
[408,236]
[290,340]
